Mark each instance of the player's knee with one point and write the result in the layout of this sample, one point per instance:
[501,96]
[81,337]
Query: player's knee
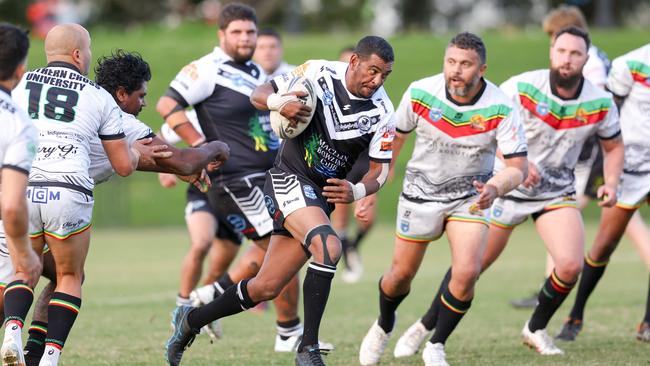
[401,275]
[466,276]
[323,243]
[198,251]
[569,270]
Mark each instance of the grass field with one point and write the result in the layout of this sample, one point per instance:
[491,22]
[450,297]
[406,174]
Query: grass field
[139,200]
[132,276]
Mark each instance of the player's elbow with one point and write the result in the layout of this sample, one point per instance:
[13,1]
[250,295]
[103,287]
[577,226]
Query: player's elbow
[14,213]
[123,168]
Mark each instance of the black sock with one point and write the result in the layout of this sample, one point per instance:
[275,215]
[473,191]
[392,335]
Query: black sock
[431,316]
[591,274]
[35,343]
[233,301]
[387,307]
[61,314]
[288,328]
[18,298]
[451,312]
[316,290]
[357,240]
[224,283]
[646,318]
[550,298]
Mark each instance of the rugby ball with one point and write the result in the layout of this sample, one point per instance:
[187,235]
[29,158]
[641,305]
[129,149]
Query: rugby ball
[285,128]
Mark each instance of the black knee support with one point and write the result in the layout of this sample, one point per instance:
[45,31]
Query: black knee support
[324,231]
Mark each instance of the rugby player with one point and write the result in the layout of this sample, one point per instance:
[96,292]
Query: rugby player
[125,76]
[589,169]
[269,53]
[18,143]
[559,111]
[365,211]
[305,183]
[630,83]
[460,119]
[70,111]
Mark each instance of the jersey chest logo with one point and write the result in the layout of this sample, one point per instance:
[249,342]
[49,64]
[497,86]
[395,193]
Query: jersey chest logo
[348,116]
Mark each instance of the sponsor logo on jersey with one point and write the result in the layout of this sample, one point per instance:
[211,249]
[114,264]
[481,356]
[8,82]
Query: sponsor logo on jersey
[542,109]
[259,128]
[435,114]
[477,122]
[309,192]
[270,206]
[237,79]
[42,195]
[322,157]
[404,226]
[328,97]
[237,221]
[497,211]
[300,70]
[581,115]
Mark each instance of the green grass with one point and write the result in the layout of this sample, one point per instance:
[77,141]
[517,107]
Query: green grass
[139,200]
[132,278]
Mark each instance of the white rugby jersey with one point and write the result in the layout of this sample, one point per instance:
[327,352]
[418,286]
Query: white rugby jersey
[597,67]
[100,167]
[630,78]
[557,128]
[343,126]
[455,143]
[19,137]
[282,69]
[69,111]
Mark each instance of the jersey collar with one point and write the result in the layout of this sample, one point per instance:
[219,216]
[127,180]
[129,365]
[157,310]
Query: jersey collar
[63,64]
[471,102]
[2,88]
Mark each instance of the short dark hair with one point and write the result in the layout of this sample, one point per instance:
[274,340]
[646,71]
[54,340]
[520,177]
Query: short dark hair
[15,45]
[269,32]
[470,41]
[573,30]
[122,69]
[370,45]
[236,11]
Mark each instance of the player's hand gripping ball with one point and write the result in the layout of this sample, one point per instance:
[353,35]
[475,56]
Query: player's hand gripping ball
[287,128]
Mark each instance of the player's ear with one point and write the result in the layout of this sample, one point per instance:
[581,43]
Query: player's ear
[121,94]
[354,60]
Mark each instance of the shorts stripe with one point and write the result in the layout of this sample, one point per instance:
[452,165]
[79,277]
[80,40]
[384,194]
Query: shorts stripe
[414,239]
[560,205]
[628,206]
[65,236]
[36,234]
[469,219]
[501,224]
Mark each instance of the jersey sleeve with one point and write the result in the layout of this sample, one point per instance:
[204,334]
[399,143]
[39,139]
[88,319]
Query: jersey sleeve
[135,129]
[195,82]
[610,127]
[509,87]
[406,120]
[510,135]
[22,147]
[381,145]
[111,127]
[620,79]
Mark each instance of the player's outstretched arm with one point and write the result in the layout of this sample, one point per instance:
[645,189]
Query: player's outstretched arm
[342,191]
[124,160]
[186,161]
[14,216]
[174,115]
[613,155]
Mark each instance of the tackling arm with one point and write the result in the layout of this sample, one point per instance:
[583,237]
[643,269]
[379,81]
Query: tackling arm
[187,161]
[174,115]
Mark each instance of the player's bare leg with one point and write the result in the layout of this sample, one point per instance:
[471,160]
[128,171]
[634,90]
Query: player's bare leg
[563,234]
[284,258]
[639,233]
[340,219]
[69,257]
[613,221]
[201,226]
[221,255]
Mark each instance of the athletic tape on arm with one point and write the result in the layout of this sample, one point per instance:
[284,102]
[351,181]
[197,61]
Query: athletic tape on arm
[506,180]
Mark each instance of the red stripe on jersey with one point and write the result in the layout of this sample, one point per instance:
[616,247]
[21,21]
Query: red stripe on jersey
[563,123]
[472,128]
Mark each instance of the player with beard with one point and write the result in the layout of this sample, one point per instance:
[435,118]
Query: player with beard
[307,179]
[629,82]
[559,110]
[460,119]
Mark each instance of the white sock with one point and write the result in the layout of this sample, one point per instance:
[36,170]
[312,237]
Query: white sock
[14,331]
[180,301]
[50,356]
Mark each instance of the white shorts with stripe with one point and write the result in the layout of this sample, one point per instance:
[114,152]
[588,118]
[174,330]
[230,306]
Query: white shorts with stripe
[509,212]
[58,212]
[633,191]
[424,221]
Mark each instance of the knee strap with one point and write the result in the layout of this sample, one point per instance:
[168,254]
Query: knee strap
[324,231]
